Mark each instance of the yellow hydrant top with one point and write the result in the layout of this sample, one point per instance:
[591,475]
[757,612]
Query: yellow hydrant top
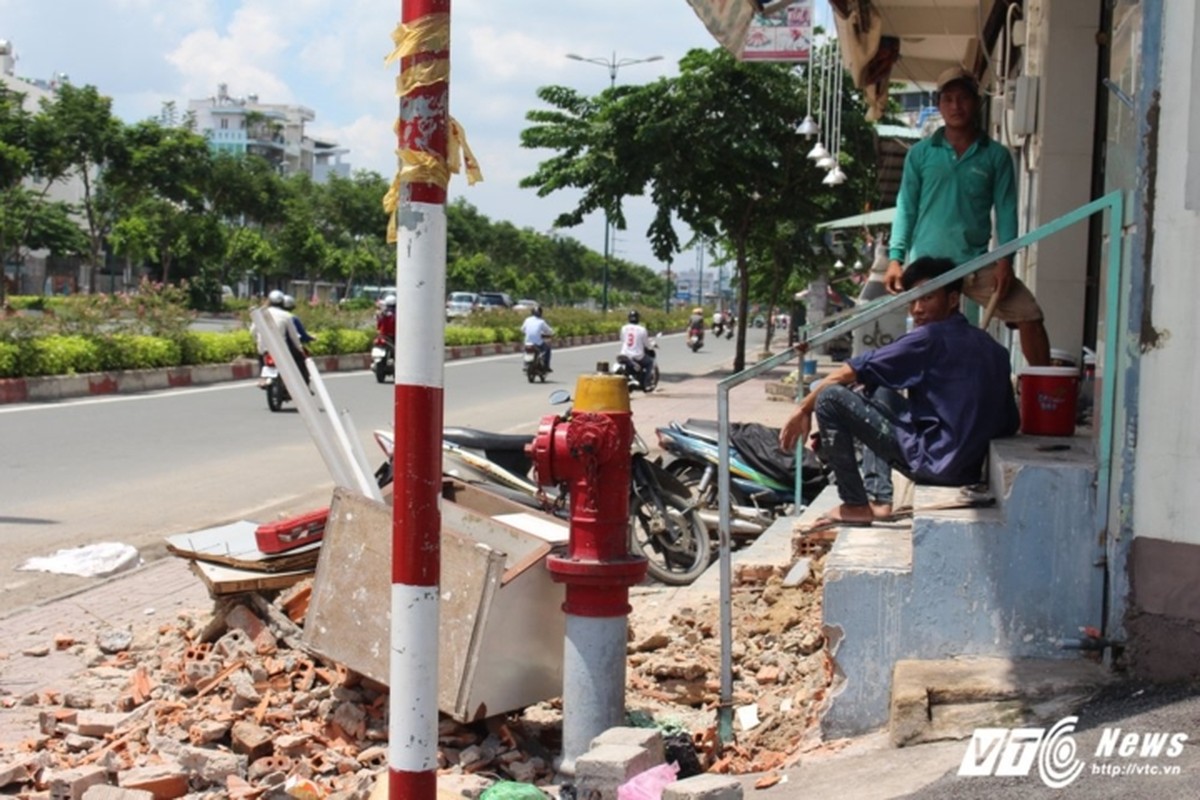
[601,393]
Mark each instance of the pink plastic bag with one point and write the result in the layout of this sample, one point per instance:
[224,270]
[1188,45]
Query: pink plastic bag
[648,785]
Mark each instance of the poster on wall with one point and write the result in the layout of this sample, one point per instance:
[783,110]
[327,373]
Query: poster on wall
[783,36]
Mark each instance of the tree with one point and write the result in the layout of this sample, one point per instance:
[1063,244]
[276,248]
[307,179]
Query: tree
[75,136]
[716,148]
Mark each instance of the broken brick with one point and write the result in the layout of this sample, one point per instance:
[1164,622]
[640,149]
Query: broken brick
[250,740]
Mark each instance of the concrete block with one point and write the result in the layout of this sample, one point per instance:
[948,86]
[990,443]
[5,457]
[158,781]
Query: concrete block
[70,784]
[98,723]
[106,792]
[704,787]
[601,771]
[798,574]
[212,766]
[163,781]
[19,770]
[648,738]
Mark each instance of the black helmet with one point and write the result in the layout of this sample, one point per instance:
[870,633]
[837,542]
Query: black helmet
[633,317]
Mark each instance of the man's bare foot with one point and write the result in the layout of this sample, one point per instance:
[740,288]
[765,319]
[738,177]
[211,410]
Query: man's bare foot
[881,510]
[841,516]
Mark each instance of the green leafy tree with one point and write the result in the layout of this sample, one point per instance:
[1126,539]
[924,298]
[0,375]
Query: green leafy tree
[76,136]
[715,147]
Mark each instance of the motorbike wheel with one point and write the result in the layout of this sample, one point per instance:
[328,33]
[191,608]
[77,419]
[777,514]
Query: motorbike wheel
[529,374]
[275,395]
[652,380]
[672,538]
[380,371]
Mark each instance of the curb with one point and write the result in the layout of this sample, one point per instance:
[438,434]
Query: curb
[49,388]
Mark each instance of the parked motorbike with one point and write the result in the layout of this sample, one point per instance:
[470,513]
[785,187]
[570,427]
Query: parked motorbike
[762,475]
[663,524]
[640,377]
[534,364]
[270,381]
[383,357]
[695,338]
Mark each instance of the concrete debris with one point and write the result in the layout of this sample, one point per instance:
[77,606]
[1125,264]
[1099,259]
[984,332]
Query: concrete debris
[229,704]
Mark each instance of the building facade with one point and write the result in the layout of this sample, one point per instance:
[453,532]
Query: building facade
[272,131]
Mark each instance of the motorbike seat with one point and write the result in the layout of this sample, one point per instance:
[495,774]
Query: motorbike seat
[705,429]
[484,440]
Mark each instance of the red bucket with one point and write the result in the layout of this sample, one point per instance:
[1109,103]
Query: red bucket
[1048,399]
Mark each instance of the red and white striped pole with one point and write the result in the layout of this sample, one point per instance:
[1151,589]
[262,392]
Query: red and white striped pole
[423,45]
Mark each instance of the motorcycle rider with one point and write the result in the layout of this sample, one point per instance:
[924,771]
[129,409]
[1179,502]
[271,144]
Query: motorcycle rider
[696,326]
[289,305]
[718,323]
[385,323]
[536,332]
[633,346]
[284,323]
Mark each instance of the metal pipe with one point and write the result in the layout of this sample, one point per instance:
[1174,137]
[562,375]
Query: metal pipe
[423,132]
[322,437]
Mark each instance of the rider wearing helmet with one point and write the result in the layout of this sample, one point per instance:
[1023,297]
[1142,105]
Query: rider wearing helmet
[536,332]
[633,345]
[289,303]
[696,321]
[385,323]
[286,323]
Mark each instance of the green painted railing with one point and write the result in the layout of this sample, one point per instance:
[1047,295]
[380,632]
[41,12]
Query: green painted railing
[841,324]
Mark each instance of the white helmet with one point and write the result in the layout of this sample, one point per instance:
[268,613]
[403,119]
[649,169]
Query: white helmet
[275,298]
[289,302]
[390,301]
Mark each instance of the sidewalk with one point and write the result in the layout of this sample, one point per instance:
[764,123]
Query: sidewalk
[160,593]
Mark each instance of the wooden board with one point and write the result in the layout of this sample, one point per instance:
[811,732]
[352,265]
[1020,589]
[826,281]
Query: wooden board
[222,580]
[235,545]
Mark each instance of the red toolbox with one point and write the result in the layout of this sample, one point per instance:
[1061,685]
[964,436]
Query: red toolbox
[288,534]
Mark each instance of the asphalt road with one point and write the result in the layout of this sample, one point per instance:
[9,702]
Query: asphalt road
[136,468]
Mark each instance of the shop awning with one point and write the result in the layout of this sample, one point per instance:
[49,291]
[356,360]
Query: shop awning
[872,219]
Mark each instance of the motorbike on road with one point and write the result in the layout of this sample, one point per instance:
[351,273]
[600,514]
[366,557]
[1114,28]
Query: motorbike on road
[695,338]
[664,526]
[643,377]
[534,364]
[762,476]
[270,381]
[383,357]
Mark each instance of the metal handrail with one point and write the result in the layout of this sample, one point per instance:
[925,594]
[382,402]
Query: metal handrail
[852,319]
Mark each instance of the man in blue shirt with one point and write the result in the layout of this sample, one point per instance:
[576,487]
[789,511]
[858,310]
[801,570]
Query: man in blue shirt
[960,397]
[951,183]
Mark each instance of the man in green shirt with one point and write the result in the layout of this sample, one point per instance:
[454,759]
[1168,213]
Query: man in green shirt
[951,183]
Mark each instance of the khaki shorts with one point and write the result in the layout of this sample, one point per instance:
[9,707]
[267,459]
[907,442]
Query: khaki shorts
[1019,305]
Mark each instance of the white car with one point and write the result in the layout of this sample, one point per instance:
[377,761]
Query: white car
[526,305]
[460,304]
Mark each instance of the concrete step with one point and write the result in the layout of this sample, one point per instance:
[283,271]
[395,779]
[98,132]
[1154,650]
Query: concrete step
[950,698]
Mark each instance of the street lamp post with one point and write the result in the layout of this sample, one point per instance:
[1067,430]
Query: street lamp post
[612,65]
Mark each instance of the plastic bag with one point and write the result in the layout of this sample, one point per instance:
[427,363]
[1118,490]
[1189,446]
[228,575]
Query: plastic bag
[649,785]
[507,790]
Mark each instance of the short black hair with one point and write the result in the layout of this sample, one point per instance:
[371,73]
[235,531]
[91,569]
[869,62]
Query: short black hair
[927,268]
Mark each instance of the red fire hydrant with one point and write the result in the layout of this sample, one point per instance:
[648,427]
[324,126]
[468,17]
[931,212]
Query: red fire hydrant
[590,452]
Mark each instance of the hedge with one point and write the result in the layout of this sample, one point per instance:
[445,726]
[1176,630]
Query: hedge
[26,355]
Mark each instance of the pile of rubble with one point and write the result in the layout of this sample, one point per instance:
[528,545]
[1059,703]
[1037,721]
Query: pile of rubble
[781,669]
[232,705]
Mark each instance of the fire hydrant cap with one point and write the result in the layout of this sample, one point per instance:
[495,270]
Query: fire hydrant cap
[602,393]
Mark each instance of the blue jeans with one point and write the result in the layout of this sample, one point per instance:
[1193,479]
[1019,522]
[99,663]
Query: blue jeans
[877,472]
[844,417]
